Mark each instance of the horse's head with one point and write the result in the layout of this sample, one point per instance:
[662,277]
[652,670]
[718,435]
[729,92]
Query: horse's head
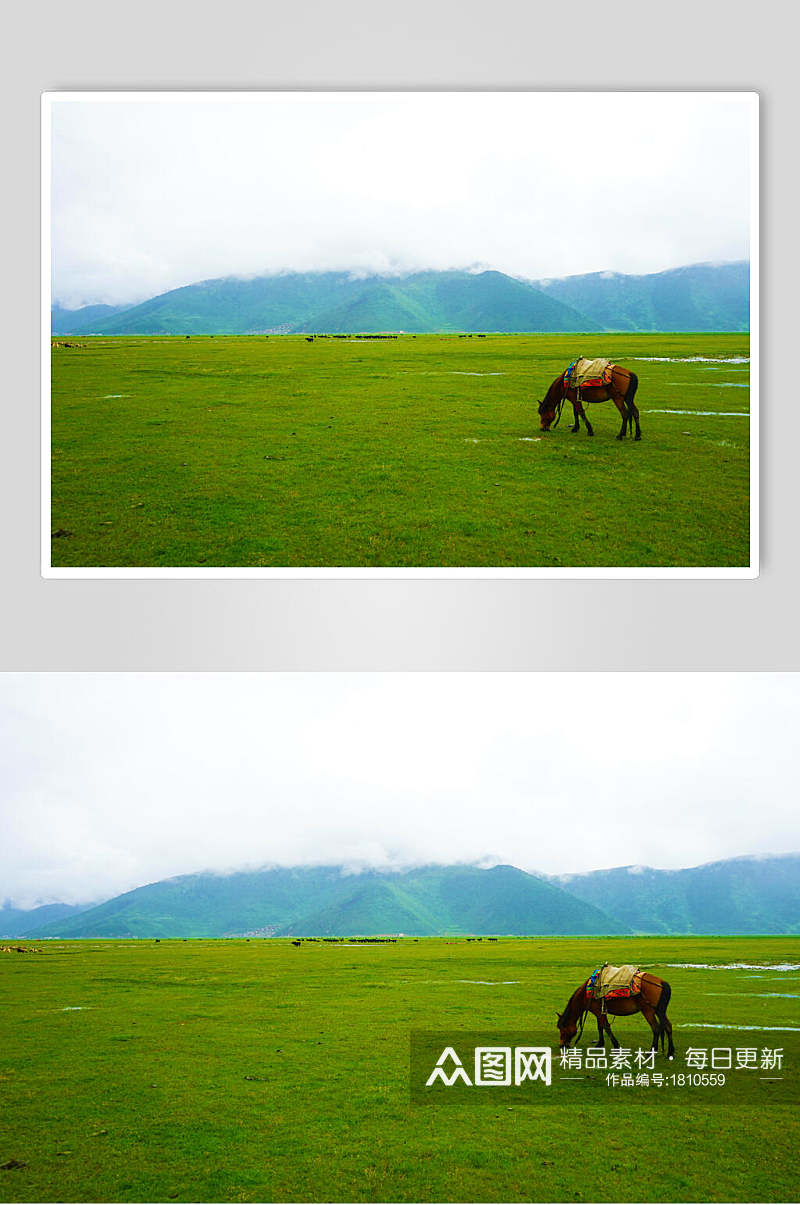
[566,1030]
[547,412]
[551,403]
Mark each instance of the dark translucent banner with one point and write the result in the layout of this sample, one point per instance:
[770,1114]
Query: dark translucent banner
[710,1067]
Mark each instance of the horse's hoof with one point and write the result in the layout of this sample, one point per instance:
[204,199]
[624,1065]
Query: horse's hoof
[637,437]
[620,437]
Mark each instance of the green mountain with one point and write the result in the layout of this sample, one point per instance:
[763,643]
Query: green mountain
[739,895]
[232,306]
[374,907]
[83,321]
[454,899]
[208,905]
[19,922]
[339,302]
[327,901]
[700,297]
[449,301]
[377,306]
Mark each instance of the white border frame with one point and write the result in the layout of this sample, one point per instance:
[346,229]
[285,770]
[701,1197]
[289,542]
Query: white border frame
[48,571]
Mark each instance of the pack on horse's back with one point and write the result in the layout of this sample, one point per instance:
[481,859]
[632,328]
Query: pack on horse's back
[616,983]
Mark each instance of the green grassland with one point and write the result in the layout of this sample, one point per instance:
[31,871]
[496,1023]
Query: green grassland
[417,451]
[247,1071]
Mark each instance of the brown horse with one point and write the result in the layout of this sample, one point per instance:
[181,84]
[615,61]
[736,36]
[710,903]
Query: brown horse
[652,1002]
[621,391]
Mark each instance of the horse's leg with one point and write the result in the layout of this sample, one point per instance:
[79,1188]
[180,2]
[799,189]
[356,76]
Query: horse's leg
[600,1035]
[576,426]
[667,1028]
[582,413]
[619,402]
[614,1041]
[597,1010]
[633,409]
[649,1014]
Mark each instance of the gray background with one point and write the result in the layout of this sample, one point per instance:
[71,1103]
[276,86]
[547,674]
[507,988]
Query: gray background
[398,624]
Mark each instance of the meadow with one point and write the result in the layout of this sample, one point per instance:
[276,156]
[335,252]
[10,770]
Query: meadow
[259,1071]
[419,451]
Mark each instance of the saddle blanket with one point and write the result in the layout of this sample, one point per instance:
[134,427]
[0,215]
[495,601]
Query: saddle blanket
[583,373]
[614,981]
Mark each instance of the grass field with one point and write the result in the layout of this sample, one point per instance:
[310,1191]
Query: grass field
[416,451]
[239,1071]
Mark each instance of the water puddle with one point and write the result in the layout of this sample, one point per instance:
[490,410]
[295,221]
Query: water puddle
[694,359]
[757,1028]
[760,995]
[490,982]
[705,413]
[734,966]
[530,439]
[445,372]
[773,978]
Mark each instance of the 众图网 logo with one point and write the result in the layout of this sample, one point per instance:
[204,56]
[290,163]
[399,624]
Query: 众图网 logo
[494,1066]
[518,1067]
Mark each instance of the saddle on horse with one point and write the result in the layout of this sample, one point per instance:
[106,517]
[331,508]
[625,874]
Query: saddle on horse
[583,373]
[610,981]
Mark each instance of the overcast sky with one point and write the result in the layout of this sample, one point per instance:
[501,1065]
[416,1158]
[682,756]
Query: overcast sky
[110,781]
[151,195]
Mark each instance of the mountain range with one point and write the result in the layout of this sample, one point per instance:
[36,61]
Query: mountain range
[740,895]
[699,297]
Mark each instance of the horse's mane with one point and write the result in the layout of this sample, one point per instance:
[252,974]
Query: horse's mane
[565,1014]
[553,396]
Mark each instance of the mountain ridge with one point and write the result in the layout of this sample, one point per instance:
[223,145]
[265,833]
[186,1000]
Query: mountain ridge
[732,896]
[694,297]
[756,894]
[301,900]
[661,301]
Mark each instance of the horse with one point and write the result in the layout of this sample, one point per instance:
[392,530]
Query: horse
[621,391]
[652,1002]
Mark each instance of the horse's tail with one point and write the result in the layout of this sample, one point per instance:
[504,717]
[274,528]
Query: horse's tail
[629,396]
[661,1008]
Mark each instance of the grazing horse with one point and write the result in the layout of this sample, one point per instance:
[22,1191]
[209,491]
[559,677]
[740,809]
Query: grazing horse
[651,1001]
[621,391]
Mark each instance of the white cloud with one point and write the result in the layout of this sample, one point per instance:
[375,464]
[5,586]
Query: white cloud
[113,780]
[149,195]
